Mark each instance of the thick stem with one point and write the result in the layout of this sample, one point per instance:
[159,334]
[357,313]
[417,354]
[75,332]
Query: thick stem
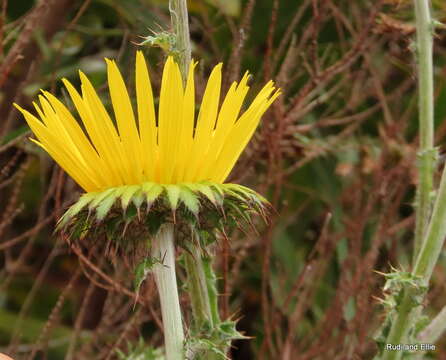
[426,153]
[423,269]
[435,329]
[180,23]
[197,286]
[429,235]
[401,326]
[166,282]
[435,236]
[202,291]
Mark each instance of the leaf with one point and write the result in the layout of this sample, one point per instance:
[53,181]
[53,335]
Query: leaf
[128,194]
[248,192]
[99,197]
[152,192]
[105,206]
[138,198]
[83,201]
[141,272]
[154,223]
[190,200]
[206,190]
[173,195]
[236,195]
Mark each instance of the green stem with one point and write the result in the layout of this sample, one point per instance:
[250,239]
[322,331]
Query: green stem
[435,236]
[180,24]
[202,287]
[428,257]
[211,285]
[401,326]
[166,282]
[197,285]
[435,329]
[424,26]
[202,291]
[429,235]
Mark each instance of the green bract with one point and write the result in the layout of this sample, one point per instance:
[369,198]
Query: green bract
[153,204]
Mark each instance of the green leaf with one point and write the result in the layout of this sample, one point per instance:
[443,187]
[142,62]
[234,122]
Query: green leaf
[138,198]
[154,223]
[173,195]
[190,200]
[141,272]
[99,197]
[206,190]
[128,194]
[105,206]
[152,192]
[83,201]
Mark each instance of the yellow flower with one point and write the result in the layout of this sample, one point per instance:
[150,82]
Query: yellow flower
[171,147]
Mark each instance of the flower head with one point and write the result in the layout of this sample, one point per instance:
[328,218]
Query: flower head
[133,147]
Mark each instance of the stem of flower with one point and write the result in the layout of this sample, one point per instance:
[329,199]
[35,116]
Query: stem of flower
[401,325]
[424,26]
[433,331]
[180,23]
[202,290]
[198,290]
[429,235]
[197,286]
[423,269]
[166,282]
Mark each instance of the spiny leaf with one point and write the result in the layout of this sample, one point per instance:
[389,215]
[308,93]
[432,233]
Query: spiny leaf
[206,190]
[217,192]
[83,201]
[249,192]
[105,206]
[152,191]
[99,197]
[190,200]
[233,188]
[128,194]
[218,187]
[141,272]
[236,195]
[173,195]
[138,198]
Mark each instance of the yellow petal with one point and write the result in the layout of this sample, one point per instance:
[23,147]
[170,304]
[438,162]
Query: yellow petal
[169,125]
[241,134]
[126,122]
[187,129]
[205,123]
[146,117]
[57,150]
[226,119]
[97,137]
[88,152]
[106,129]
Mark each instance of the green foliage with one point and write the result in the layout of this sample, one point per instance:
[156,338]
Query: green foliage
[226,200]
[140,351]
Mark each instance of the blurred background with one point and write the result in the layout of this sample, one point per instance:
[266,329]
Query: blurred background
[335,155]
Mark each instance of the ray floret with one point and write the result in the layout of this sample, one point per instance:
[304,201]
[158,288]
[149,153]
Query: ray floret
[175,147]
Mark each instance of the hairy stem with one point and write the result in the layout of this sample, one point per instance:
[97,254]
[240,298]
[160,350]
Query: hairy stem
[197,286]
[435,329]
[426,155]
[166,282]
[180,24]
[429,234]
[423,269]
